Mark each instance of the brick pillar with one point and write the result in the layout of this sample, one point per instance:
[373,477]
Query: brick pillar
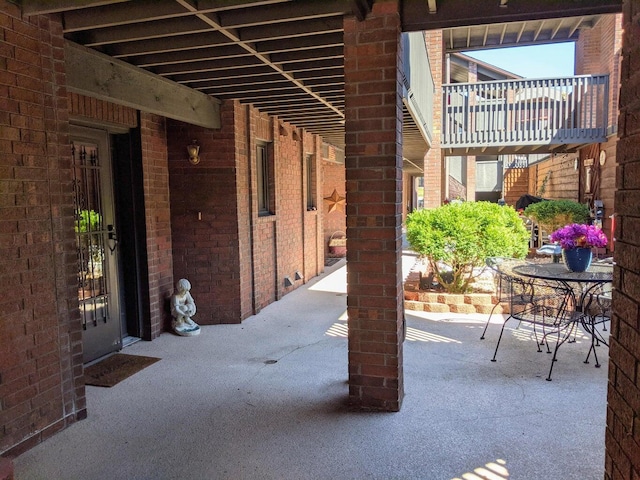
[158,220]
[373,98]
[435,177]
[622,455]
[470,177]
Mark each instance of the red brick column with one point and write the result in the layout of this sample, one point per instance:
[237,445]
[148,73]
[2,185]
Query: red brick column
[158,220]
[374,208]
[471,159]
[435,177]
[622,458]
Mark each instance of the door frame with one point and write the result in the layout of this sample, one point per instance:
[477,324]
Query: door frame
[93,345]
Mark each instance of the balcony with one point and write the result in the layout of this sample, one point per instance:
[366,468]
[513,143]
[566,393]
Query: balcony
[418,98]
[525,116]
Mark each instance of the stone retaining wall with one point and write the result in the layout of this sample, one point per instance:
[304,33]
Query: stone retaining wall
[439,302]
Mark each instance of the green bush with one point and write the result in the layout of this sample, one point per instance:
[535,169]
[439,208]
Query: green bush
[455,238]
[553,214]
[88,221]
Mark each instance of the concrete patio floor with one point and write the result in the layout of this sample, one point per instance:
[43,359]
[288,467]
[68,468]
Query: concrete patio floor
[217,406]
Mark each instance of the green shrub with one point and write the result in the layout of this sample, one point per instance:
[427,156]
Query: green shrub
[455,238]
[88,221]
[553,214]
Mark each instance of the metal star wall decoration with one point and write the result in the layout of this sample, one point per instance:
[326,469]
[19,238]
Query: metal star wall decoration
[335,202]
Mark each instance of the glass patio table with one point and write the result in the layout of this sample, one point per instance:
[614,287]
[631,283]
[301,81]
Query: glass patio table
[588,290]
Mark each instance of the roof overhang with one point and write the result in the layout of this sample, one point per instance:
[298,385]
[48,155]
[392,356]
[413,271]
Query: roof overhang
[285,57]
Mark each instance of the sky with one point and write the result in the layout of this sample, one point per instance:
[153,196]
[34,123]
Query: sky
[537,61]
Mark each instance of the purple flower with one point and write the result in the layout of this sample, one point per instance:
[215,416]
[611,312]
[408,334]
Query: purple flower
[579,235]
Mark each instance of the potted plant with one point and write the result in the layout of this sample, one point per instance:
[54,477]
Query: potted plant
[577,240]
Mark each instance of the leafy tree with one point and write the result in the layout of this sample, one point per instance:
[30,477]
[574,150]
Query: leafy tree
[457,237]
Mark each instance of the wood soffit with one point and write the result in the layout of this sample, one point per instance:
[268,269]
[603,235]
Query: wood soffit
[285,57]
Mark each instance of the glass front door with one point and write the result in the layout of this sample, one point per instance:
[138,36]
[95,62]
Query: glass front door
[96,243]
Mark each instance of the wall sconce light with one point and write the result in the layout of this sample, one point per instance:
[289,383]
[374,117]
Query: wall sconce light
[193,149]
[295,135]
[283,131]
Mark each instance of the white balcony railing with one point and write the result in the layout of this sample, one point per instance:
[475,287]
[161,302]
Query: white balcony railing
[552,111]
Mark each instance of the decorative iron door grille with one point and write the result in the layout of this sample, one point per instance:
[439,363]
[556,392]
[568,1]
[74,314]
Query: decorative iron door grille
[96,251]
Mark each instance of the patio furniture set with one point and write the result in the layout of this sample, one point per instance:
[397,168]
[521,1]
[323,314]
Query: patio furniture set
[555,302]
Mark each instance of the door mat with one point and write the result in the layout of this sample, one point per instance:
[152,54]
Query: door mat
[115,368]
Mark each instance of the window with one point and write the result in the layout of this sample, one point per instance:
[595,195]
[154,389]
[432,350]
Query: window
[265,182]
[310,182]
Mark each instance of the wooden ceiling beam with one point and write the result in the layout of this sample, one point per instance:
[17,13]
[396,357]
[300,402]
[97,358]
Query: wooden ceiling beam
[284,12]
[187,56]
[43,7]
[138,11]
[99,76]
[214,66]
[122,14]
[300,28]
[152,46]
[126,33]
[308,55]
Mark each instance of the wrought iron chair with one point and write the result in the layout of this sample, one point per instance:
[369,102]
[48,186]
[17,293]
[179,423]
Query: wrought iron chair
[549,308]
[509,285]
[597,314]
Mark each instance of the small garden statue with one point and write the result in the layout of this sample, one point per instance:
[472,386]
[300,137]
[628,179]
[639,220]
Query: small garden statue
[182,309]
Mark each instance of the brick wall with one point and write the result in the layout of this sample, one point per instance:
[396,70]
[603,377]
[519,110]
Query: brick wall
[41,385]
[242,116]
[157,218]
[598,52]
[204,217]
[263,229]
[236,260]
[336,221]
[623,412]
[291,208]
[313,219]
[105,112]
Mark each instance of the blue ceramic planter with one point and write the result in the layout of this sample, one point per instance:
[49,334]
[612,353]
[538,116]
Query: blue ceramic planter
[577,259]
